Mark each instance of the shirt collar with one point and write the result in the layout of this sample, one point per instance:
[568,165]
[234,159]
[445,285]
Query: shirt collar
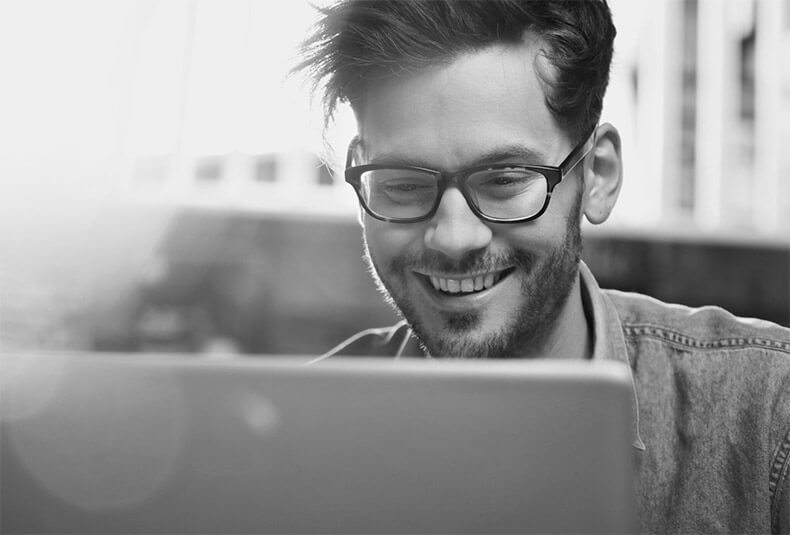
[608,339]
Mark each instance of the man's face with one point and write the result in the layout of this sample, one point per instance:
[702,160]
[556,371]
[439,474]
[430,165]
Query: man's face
[470,288]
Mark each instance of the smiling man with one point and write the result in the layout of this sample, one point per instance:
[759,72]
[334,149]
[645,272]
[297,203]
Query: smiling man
[479,151]
[469,273]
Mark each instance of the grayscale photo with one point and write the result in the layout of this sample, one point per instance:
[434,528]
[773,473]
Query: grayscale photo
[394,266]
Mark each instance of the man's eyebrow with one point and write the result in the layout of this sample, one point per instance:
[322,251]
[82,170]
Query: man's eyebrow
[509,153]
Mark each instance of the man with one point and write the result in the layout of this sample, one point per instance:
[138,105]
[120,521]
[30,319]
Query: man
[478,152]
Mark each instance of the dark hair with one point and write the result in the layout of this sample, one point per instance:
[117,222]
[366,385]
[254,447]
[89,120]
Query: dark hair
[358,41]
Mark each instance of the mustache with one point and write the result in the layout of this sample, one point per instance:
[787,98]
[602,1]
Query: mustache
[471,262]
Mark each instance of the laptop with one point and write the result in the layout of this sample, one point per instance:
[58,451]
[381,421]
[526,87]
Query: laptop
[106,443]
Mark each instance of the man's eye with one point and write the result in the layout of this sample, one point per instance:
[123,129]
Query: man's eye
[506,180]
[506,184]
[405,191]
[405,187]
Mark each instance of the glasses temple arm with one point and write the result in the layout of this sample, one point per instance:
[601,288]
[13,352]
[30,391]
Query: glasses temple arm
[351,148]
[578,154]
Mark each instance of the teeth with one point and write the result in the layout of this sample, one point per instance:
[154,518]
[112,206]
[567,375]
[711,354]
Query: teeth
[455,286]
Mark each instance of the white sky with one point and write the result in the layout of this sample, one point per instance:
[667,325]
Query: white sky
[89,79]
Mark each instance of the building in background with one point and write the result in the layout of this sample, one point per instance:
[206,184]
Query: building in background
[712,114]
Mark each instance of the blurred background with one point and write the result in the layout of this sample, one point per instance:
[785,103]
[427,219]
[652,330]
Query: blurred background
[163,185]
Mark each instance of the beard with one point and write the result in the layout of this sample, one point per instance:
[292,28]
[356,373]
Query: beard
[546,283]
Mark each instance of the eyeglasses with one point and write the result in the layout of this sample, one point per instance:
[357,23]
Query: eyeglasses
[507,193]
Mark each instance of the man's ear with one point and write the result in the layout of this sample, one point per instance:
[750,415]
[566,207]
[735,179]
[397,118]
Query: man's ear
[604,178]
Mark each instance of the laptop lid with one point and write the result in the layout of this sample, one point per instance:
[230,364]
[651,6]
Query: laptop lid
[179,444]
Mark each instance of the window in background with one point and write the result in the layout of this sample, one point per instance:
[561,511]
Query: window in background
[688,108]
[266,168]
[209,169]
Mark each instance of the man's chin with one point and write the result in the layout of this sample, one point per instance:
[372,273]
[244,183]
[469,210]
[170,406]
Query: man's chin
[461,323]
[460,338]
[475,333]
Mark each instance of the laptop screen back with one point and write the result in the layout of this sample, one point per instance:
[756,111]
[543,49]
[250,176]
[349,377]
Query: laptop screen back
[156,444]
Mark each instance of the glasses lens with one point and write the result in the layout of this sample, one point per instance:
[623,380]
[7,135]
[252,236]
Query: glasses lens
[398,193]
[509,192]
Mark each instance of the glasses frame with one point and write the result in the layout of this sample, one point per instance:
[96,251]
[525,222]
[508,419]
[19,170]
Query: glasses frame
[553,175]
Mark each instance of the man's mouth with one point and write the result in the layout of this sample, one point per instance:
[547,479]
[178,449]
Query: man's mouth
[466,285]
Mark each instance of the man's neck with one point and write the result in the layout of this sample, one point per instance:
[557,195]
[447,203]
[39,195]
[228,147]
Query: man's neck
[571,337]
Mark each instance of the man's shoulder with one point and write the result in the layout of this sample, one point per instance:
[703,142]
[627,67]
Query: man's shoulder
[718,383]
[708,327]
[710,354]
[707,351]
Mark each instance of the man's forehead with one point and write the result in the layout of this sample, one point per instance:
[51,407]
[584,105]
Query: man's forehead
[478,105]
[478,155]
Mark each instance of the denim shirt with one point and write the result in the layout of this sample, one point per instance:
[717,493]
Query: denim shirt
[711,415]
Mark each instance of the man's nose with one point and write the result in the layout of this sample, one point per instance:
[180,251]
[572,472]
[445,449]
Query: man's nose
[455,230]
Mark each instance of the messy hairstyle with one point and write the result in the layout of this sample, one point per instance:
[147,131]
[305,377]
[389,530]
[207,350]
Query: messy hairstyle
[357,42]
